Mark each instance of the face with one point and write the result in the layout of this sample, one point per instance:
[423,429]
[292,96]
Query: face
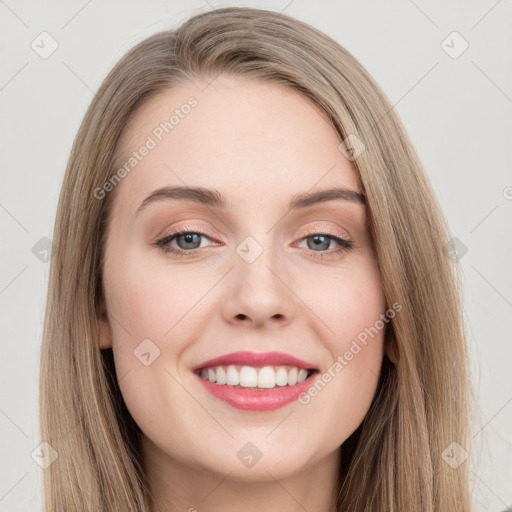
[188,280]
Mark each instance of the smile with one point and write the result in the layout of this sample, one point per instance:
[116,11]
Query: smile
[256,381]
[268,377]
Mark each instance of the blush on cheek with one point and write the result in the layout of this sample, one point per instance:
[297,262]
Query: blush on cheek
[141,303]
[355,318]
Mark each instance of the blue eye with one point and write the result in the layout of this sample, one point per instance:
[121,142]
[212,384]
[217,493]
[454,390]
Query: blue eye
[189,243]
[324,241]
[321,241]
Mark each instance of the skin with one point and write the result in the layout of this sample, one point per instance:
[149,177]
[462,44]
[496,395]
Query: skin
[258,144]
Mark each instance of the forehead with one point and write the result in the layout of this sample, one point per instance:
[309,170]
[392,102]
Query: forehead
[252,140]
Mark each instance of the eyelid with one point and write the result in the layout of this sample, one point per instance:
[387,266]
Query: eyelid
[323,229]
[311,231]
[188,228]
[344,241]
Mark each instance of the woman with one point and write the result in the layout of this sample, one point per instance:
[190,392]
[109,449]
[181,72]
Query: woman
[189,362]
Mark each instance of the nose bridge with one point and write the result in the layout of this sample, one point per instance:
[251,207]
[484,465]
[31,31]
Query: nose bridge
[258,262]
[258,291]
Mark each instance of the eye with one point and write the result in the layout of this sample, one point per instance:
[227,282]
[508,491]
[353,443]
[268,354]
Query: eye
[320,242]
[187,241]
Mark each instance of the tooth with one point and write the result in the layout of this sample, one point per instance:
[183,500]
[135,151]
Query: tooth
[232,376]
[221,375]
[281,376]
[248,377]
[267,377]
[292,377]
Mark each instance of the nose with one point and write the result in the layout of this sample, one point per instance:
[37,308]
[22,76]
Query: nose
[259,293]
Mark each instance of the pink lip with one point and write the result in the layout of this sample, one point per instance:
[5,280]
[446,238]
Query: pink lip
[256,359]
[258,400]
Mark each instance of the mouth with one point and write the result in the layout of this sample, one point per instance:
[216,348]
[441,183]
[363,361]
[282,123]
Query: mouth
[256,381]
[255,378]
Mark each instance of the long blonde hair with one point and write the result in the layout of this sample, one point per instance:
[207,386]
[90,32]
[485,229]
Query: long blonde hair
[393,462]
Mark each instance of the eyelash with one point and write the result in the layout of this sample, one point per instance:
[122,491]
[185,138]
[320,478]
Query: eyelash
[345,244]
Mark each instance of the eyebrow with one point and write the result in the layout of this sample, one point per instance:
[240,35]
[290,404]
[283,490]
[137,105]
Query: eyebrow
[212,197]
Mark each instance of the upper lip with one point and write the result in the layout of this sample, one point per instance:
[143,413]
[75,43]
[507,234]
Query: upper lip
[256,359]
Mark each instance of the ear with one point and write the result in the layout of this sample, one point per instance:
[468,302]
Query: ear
[104,331]
[391,349]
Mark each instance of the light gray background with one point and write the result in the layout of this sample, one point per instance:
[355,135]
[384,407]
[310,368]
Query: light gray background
[457,112]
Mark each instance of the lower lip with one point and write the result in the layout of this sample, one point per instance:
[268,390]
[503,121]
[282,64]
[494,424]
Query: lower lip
[255,400]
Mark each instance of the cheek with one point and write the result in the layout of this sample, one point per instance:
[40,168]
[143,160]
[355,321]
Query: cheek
[151,301]
[148,308]
[348,302]
[353,308]
[154,313]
